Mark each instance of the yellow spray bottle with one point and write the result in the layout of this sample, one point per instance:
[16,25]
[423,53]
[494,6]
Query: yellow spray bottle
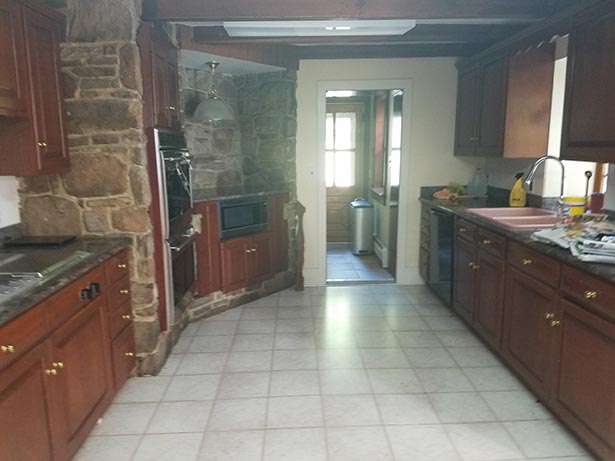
[518,195]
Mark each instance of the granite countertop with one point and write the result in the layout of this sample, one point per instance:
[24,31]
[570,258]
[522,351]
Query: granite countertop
[100,249]
[460,208]
[230,192]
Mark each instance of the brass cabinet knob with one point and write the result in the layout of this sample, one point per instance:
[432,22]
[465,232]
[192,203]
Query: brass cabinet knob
[549,316]
[57,364]
[555,323]
[126,317]
[124,292]
[171,108]
[122,266]
[590,294]
[462,230]
[248,251]
[41,144]
[526,262]
[51,372]
[8,349]
[129,354]
[486,242]
[253,250]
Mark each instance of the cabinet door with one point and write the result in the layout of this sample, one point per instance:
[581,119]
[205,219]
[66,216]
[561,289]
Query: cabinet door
[43,50]
[207,249]
[235,265]
[584,393]
[529,308]
[13,79]
[489,297]
[589,121]
[492,107]
[172,86]
[464,279]
[261,257]
[279,228]
[467,102]
[160,92]
[123,356]
[24,416]
[82,387]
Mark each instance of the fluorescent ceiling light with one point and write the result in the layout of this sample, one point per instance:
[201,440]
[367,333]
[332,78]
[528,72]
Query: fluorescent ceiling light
[318,28]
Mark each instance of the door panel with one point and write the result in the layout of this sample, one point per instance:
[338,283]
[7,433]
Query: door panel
[261,256]
[490,297]
[13,81]
[464,279]
[492,108]
[235,266]
[467,102]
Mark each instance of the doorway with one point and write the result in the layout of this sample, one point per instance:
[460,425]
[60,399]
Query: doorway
[362,162]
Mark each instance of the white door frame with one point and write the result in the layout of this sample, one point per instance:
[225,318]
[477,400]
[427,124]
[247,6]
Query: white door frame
[403,274]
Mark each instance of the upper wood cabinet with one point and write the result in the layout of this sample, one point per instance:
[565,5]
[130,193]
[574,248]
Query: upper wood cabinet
[481,108]
[31,94]
[159,65]
[589,119]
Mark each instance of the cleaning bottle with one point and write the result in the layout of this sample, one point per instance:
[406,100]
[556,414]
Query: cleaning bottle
[518,195]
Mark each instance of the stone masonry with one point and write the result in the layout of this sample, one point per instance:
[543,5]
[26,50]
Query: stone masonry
[106,192]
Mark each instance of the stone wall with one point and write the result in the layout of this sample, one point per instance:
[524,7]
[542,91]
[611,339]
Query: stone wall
[215,147]
[106,192]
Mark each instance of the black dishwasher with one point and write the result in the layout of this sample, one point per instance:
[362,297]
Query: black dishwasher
[441,229]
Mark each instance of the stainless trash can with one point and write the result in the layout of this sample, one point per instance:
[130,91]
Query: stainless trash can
[362,226]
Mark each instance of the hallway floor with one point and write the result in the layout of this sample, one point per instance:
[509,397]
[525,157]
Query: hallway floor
[371,372]
[343,266]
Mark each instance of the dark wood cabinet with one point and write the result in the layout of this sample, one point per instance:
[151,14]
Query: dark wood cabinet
[529,310]
[261,261]
[33,91]
[279,230]
[584,386]
[235,263]
[589,121]
[208,248]
[25,427]
[481,108]
[82,386]
[464,280]
[489,302]
[160,69]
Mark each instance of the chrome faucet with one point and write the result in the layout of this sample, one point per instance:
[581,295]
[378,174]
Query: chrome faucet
[529,179]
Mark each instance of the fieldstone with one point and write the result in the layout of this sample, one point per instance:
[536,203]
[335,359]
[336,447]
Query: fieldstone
[223,140]
[256,182]
[145,245]
[102,20]
[102,60]
[129,67]
[105,139]
[96,221]
[109,202]
[50,215]
[78,141]
[142,293]
[139,183]
[70,85]
[94,71]
[228,178]
[250,166]
[146,268]
[267,124]
[35,185]
[97,83]
[96,176]
[134,219]
[102,115]
[146,334]
[272,150]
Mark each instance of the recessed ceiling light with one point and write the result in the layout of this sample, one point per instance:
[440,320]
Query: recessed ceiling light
[318,28]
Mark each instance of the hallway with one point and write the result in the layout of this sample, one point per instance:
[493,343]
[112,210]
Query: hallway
[343,266]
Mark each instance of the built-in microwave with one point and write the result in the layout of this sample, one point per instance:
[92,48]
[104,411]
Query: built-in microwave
[243,216]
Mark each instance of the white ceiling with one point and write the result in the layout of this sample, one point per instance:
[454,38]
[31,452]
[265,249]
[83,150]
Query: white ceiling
[230,66]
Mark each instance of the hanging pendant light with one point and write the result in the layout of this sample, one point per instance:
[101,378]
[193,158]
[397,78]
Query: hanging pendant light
[212,108]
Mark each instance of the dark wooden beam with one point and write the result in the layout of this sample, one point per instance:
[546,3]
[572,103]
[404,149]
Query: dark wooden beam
[280,55]
[422,33]
[386,51]
[248,10]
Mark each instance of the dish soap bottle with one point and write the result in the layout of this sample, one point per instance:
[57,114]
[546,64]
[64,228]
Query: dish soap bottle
[478,183]
[518,195]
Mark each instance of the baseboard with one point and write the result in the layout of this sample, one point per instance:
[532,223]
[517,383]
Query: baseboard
[381,252]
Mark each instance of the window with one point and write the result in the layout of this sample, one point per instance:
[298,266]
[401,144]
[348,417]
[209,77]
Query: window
[341,147]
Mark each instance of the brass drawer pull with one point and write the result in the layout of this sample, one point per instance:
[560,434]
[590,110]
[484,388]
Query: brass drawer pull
[549,316]
[129,354]
[590,294]
[253,250]
[526,262]
[124,292]
[248,251]
[462,230]
[8,349]
[555,323]
[126,317]
[51,372]
[42,144]
[486,242]
[57,364]
[474,266]
[122,266]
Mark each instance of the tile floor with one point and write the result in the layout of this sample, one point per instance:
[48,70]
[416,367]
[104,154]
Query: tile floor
[343,266]
[370,373]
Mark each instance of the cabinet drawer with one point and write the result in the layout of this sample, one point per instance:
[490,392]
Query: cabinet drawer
[21,334]
[541,267]
[594,294]
[75,296]
[465,229]
[118,294]
[117,266]
[491,242]
[119,319]
[123,356]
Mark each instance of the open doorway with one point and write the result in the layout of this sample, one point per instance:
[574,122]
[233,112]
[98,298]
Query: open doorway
[362,176]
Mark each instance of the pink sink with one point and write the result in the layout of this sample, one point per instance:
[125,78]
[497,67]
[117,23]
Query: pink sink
[510,212]
[529,222]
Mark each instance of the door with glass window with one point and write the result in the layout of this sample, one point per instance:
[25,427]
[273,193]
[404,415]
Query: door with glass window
[344,166]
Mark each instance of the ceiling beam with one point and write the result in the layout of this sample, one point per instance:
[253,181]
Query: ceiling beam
[249,10]
[422,33]
[386,51]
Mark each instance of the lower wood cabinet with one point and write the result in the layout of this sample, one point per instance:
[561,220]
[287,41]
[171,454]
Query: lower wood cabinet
[464,286]
[489,304]
[64,372]
[246,260]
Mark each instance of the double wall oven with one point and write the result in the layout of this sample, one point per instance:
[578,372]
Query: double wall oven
[175,186]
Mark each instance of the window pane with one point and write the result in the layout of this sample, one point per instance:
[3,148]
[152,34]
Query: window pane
[344,169]
[329,168]
[395,170]
[345,126]
[396,132]
[329,132]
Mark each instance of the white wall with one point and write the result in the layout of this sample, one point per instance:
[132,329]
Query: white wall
[9,201]
[427,160]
